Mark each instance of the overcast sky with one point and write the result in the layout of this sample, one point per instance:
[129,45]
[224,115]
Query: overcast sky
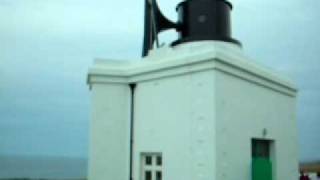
[47,46]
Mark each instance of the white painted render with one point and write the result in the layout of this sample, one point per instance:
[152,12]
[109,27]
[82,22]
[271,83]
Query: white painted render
[169,118]
[243,110]
[110,132]
[199,105]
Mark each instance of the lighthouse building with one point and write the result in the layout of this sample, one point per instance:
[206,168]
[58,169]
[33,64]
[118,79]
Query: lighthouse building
[197,110]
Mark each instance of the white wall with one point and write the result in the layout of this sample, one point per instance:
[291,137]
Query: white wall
[174,116]
[110,132]
[244,109]
[199,105]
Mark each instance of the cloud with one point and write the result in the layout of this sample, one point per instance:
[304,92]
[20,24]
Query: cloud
[72,17]
[47,46]
[5,3]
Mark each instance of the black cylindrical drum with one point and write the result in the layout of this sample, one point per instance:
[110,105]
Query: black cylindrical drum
[204,20]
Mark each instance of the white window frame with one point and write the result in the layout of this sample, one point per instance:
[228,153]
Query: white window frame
[153,168]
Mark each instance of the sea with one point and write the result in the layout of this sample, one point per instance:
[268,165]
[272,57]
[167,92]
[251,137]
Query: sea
[51,168]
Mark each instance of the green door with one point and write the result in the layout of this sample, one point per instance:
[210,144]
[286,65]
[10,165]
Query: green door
[261,169]
[261,163]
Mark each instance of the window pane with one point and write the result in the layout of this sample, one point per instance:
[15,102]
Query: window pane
[261,148]
[148,160]
[158,175]
[148,175]
[159,160]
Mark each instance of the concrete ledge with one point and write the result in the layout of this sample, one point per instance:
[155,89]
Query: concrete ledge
[189,58]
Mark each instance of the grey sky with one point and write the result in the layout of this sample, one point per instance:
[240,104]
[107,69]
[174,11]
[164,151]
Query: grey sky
[47,46]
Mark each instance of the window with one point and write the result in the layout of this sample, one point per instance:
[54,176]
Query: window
[159,160]
[260,148]
[151,166]
[148,160]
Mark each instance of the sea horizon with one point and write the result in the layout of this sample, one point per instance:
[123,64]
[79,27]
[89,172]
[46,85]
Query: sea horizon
[14,167]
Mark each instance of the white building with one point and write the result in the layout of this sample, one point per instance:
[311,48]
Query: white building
[197,111]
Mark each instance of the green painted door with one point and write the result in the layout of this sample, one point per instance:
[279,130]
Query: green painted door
[261,169]
[261,163]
